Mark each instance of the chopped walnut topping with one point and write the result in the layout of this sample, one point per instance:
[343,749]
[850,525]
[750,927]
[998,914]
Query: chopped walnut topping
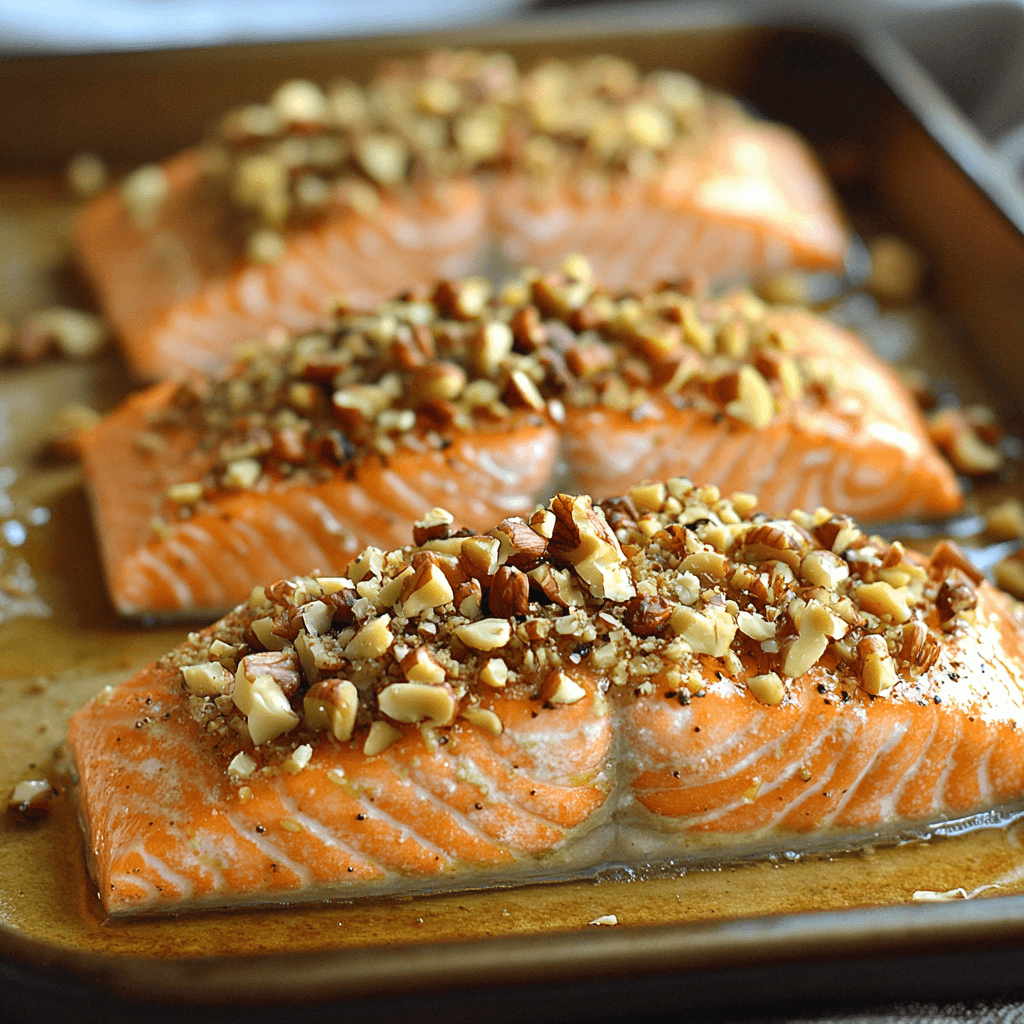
[435,525]
[372,640]
[420,666]
[510,592]
[485,634]
[653,602]
[583,538]
[881,599]
[426,589]
[956,594]
[419,371]
[559,688]
[30,799]
[494,674]
[815,626]
[484,719]
[208,679]
[332,704]
[265,706]
[418,702]
[380,737]
[919,647]
[767,688]
[948,555]
[878,673]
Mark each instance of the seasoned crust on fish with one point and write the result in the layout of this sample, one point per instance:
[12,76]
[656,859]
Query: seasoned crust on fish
[364,190]
[324,442]
[649,678]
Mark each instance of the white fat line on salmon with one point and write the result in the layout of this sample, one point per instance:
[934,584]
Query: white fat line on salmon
[892,799]
[750,462]
[311,277]
[258,542]
[146,560]
[295,280]
[493,792]
[538,747]
[939,798]
[268,848]
[420,789]
[651,238]
[787,772]
[278,533]
[223,558]
[397,496]
[192,564]
[229,540]
[897,436]
[831,492]
[985,794]
[754,756]
[684,227]
[151,896]
[508,473]
[642,450]
[650,745]
[619,261]
[448,230]
[786,467]
[819,782]
[299,501]
[894,738]
[282,529]
[217,301]
[555,220]
[713,247]
[590,226]
[252,290]
[158,866]
[330,523]
[316,828]
[444,483]
[405,831]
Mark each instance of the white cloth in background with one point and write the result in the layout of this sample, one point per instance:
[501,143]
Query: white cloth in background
[81,26]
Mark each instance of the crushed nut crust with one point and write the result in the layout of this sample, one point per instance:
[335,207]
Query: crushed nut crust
[448,113]
[305,408]
[642,614]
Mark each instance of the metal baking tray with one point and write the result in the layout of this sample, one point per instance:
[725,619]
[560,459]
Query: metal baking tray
[768,934]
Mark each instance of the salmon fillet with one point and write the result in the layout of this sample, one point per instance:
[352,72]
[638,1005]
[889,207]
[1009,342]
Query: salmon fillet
[364,191]
[304,453]
[862,449]
[668,675]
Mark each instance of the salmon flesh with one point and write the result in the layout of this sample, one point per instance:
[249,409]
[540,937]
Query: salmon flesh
[418,175]
[664,676]
[309,450]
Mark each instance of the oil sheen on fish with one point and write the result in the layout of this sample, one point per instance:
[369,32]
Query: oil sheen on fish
[663,676]
[365,190]
[307,451]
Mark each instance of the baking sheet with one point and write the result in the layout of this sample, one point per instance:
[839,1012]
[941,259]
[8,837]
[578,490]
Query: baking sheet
[533,940]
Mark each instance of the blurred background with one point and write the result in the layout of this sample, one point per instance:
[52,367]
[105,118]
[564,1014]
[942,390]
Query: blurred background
[972,51]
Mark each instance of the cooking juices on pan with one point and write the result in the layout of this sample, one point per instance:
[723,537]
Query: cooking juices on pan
[650,678]
[313,447]
[362,191]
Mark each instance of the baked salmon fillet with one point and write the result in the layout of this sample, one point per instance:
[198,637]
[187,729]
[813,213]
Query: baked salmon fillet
[361,191]
[310,449]
[662,676]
